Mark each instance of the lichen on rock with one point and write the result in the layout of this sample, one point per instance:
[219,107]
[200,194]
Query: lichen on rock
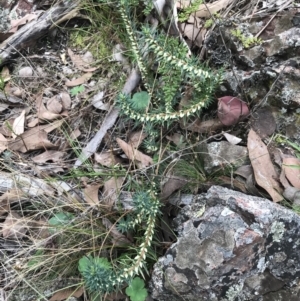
[241,248]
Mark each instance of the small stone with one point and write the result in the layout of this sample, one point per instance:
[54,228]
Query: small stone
[26,72]
[223,153]
[88,57]
[289,193]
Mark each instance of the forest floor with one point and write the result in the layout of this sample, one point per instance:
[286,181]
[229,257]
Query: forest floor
[72,160]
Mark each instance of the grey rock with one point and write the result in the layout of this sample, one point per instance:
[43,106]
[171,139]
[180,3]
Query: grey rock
[223,153]
[285,42]
[252,82]
[239,248]
[255,54]
[261,64]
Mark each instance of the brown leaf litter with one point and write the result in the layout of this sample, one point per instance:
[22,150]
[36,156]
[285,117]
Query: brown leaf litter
[135,155]
[264,171]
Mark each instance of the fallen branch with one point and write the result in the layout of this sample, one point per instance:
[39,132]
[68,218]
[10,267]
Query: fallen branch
[108,122]
[37,28]
[29,186]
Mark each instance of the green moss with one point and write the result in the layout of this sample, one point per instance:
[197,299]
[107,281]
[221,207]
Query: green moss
[281,139]
[208,23]
[96,42]
[186,12]
[101,33]
[247,42]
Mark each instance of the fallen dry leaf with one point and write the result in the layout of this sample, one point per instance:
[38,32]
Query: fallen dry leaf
[264,171]
[177,139]
[134,154]
[3,143]
[8,197]
[16,23]
[32,139]
[232,139]
[3,107]
[39,229]
[10,98]
[244,171]
[208,126]
[206,10]
[118,237]
[192,33]
[291,167]
[283,180]
[6,128]
[79,62]
[193,20]
[173,184]
[65,145]
[5,74]
[51,155]
[75,134]
[18,125]
[118,56]
[66,293]
[43,113]
[54,105]
[111,191]
[4,207]
[107,158]
[116,297]
[16,91]
[79,81]
[91,194]
[51,126]
[98,103]
[33,122]
[14,226]
[65,100]
[136,138]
